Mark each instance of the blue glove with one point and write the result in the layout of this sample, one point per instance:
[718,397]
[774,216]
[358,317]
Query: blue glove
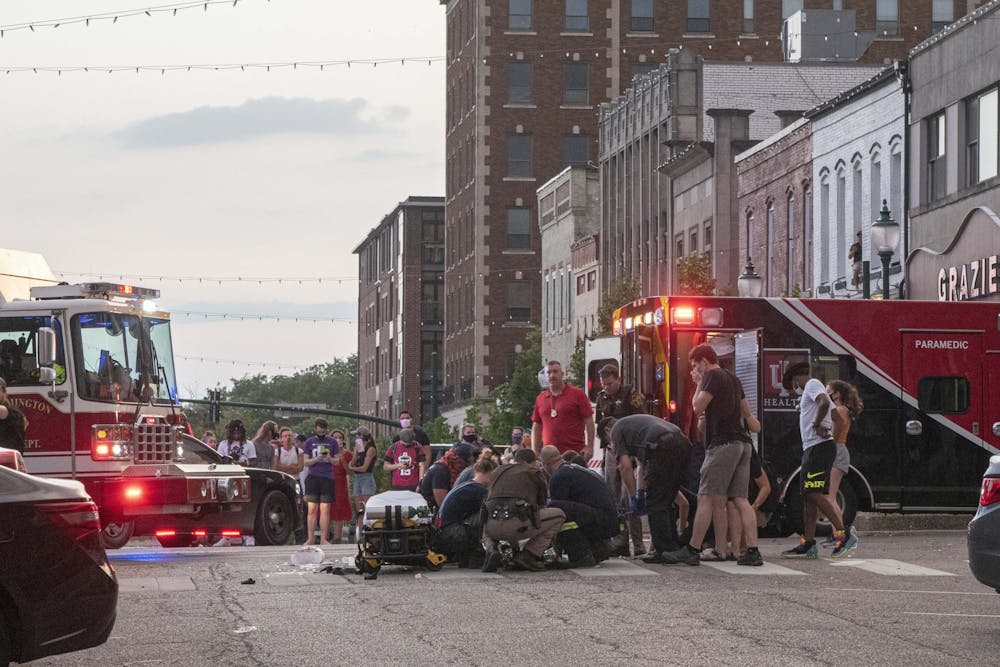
[637,503]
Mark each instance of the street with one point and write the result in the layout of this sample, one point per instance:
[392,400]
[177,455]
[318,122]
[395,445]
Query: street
[902,599]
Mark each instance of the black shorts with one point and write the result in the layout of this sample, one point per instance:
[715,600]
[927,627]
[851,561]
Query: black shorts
[816,464]
[319,489]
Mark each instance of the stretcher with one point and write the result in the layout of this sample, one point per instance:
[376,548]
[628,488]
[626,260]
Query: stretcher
[395,528]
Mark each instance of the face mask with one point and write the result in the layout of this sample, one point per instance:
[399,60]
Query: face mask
[469,437]
[516,439]
[405,423]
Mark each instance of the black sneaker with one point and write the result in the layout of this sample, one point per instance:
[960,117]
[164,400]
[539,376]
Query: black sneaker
[491,563]
[752,558]
[653,556]
[587,560]
[685,555]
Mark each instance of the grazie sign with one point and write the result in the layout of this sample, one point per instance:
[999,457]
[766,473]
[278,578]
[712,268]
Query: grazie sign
[969,281]
[968,269]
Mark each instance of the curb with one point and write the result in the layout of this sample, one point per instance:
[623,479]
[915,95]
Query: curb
[874,522]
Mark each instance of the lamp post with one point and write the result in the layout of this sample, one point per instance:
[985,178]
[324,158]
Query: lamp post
[749,283]
[885,238]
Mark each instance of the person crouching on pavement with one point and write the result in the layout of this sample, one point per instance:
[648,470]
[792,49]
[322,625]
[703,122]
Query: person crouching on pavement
[659,455]
[588,504]
[515,510]
[460,528]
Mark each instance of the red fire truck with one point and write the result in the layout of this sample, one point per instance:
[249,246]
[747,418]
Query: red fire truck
[928,372]
[91,367]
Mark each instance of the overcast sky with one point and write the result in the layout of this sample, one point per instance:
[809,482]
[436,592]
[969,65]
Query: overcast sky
[221,174]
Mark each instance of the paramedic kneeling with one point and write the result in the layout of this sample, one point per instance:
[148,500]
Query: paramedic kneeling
[515,510]
[591,511]
[460,528]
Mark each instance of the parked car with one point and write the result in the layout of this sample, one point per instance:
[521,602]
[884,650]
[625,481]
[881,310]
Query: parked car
[58,592]
[11,458]
[984,529]
[272,516]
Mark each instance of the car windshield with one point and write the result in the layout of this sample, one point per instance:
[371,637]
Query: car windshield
[196,451]
[124,358]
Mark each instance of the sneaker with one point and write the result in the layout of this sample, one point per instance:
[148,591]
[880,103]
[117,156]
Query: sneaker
[685,555]
[803,550]
[752,558]
[529,561]
[845,544]
[491,563]
[587,560]
[714,556]
[653,556]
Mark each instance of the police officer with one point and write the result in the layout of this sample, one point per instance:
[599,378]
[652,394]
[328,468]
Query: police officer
[619,400]
[591,510]
[515,510]
[659,453]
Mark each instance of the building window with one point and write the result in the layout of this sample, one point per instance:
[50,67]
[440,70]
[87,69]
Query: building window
[791,245]
[935,157]
[520,81]
[592,280]
[807,237]
[519,156]
[642,16]
[575,149]
[576,16]
[693,240]
[699,16]
[838,5]
[769,250]
[896,182]
[519,228]
[887,18]
[748,17]
[575,85]
[518,301]
[981,137]
[789,7]
[581,284]
[842,240]
[876,190]
[824,226]
[706,237]
[519,15]
[942,13]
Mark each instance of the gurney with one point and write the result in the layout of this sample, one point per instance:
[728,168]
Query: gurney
[395,528]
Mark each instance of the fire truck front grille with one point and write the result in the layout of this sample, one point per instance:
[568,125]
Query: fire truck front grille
[154,443]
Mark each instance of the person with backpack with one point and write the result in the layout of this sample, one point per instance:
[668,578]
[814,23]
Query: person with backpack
[289,458]
[403,459]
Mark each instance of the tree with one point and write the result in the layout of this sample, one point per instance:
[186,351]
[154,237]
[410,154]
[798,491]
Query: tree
[694,275]
[438,430]
[621,292]
[333,384]
[576,373]
[515,398]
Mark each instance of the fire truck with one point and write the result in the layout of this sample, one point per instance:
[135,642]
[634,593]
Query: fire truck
[928,372]
[91,367]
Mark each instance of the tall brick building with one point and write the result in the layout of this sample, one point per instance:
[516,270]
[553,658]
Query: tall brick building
[401,310]
[524,78]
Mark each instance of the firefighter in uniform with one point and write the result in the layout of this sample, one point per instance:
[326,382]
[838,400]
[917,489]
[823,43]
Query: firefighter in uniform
[619,400]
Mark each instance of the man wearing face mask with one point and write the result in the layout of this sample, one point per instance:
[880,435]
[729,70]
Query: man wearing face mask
[516,443]
[419,436]
[471,437]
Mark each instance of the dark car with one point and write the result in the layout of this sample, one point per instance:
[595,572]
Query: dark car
[58,592]
[272,516]
[984,529]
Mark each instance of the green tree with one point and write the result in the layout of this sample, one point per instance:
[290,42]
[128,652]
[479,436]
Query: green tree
[576,373]
[620,293]
[694,275]
[515,398]
[333,384]
[438,430]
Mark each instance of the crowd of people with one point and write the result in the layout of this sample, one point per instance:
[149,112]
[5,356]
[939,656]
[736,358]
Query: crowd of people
[538,492]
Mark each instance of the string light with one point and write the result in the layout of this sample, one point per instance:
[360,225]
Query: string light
[261,317]
[319,65]
[260,280]
[239,362]
[112,17]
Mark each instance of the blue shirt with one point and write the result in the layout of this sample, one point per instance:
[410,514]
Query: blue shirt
[462,502]
[320,468]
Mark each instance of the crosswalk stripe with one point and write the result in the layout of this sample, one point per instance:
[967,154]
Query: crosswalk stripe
[890,567]
[615,568]
[767,568]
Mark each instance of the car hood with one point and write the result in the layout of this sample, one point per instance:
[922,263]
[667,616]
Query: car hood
[16,487]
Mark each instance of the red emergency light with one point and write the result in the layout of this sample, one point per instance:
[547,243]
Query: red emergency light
[682,315]
[133,492]
[231,533]
[165,533]
[200,533]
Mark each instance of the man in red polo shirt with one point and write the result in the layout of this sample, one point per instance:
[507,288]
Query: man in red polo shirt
[563,416]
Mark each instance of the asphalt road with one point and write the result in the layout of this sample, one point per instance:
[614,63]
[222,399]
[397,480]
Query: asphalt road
[900,600]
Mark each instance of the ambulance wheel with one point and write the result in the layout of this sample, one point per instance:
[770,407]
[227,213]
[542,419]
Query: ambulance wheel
[117,534]
[275,519]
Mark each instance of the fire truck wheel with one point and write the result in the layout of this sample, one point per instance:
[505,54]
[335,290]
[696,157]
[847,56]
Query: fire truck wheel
[275,519]
[117,534]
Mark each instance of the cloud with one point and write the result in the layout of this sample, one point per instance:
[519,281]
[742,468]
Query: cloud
[259,118]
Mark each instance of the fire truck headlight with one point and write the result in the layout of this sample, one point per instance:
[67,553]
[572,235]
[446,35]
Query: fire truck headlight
[116,450]
[180,451]
[149,306]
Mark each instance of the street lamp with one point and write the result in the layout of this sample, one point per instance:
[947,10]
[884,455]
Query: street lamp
[749,283]
[884,239]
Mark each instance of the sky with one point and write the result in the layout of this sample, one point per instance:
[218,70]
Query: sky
[221,188]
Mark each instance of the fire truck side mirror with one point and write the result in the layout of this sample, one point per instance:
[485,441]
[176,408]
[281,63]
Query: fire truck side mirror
[46,375]
[46,347]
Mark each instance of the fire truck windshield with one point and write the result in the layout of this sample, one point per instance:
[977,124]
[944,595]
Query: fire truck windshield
[123,358]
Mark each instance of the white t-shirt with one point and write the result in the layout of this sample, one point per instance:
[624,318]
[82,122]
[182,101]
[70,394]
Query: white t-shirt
[289,457]
[249,452]
[808,410]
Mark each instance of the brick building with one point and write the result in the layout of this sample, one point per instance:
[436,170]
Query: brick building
[401,311]
[524,78]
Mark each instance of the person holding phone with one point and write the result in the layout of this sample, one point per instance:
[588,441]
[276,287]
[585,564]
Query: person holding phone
[320,451]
